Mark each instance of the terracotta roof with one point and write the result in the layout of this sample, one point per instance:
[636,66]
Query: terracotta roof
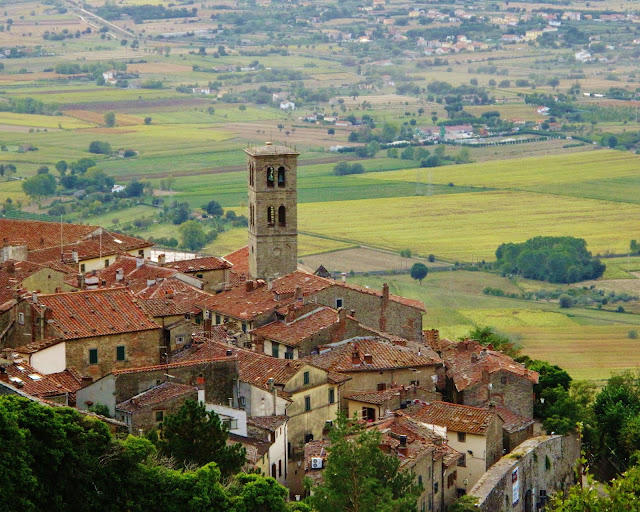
[467,360]
[89,313]
[32,382]
[383,355]
[70,378]
[179,364]
[374,397]
[270,423]
[512,422]
[295,332]
[240,260]
[36,346]
[199,264]
[92,245]
[171,297]
[156,396]
[457,418]
[37,234]
[261,447]
[254,298]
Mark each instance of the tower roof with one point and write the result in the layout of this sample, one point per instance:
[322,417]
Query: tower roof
[269,149]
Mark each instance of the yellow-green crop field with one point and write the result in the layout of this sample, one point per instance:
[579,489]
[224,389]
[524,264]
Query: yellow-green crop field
[472,225]
[621,268]
[40,121]
[589,352]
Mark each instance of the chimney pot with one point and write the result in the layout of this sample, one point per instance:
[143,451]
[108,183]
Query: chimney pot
[385,291]
[368,359]
[162,259]
[344,277]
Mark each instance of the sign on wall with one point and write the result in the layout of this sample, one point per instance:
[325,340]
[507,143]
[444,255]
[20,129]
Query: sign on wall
[515,482]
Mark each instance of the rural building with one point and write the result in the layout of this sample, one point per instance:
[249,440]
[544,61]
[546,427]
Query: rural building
[214,272]
[474,432]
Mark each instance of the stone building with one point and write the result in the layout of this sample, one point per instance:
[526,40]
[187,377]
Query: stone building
[479,376]
[98,330]
[475,433]
[147,410]
[214,272]
[273,217]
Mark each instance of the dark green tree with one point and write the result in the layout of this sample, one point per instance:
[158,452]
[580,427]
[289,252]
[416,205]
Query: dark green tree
[40,185]
[110,119]
[419,271]
[360,477]
[195,436]
[213,208]
[193,235]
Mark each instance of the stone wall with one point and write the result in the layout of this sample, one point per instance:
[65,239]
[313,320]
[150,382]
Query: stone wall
[509,390]
[145,418]
[374,311]
[542,465]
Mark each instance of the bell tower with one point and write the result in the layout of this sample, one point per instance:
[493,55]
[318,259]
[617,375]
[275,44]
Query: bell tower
[273,211]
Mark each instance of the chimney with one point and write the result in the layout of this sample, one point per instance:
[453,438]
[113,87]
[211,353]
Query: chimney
[74,256]
[353,313]
[249,285]
[342,316]
[34,297]
[139,261]
[269,284]
[402,447]
[200,396]
[385,292]
[81,281]
[162,259]
[298,293]
[474,358]
[229,353]
[368,359]
[86,381]
[11,267]
[119,275]
[344,277]
[355,358]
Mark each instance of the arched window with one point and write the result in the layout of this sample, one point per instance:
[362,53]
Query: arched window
[271,216]
[281,181]
[274,473]
[252,219]
[251,173]
[282,216]
[270,177]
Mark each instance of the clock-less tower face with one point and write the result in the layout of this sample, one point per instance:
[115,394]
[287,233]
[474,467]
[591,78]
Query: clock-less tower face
[273,211]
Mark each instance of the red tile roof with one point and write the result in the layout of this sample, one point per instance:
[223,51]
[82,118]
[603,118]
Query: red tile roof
[467,360]
[254,298]
[457,418]
[374,397]
[171,297]
[32,382]
[170,366]
[295,332]
[157,395]
[199,264]
[271,423]
[378,293]
[383,355]
[37,346]
[37,234]
[512,422]
[101,312]
[240,260]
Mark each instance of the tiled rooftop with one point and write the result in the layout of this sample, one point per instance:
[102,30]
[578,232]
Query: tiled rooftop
[457,418]
[295,332]
[370,354]
[29,380]
[101,312]
[199,264]
[374,397]
[467,360]
[156,396]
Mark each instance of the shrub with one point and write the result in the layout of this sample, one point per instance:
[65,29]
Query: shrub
[100,148]
[432,258]
[632,334]
[565,301]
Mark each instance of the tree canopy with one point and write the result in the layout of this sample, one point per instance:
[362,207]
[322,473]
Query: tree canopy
[360,477]
[546,258]
[419,271]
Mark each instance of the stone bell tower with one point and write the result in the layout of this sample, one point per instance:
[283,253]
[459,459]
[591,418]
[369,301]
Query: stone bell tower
[273,211]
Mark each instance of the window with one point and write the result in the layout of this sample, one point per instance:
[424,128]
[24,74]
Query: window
[121,353]
[382,386]
[199,276]
[415,383]
[288,353]
[275,350]
[218,320]
[159,416]
[244,326]
[307,403]
[308,438]
[271,216]
[179,340]
[280,467]
[462,437]
[306,378]
[270,177]
[282,216]
[420,480]
[463,460]
[83,268]
[339,303]
[251,171]
[21,318]
[281,172]
[435,487]
[106,263]
[141,252]
[504,379]
[332,396]
[230,423]
[93,356]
